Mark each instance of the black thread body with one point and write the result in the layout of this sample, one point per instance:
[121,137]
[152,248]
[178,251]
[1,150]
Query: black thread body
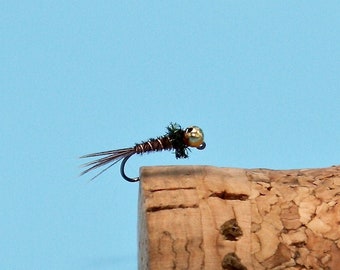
[158,144]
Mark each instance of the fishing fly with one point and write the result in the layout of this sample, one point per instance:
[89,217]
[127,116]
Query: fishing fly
[176,139]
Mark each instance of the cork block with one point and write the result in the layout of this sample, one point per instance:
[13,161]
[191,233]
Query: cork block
[203,217]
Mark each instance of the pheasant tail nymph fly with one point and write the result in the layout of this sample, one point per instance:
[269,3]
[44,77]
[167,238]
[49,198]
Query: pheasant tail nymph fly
[176,139]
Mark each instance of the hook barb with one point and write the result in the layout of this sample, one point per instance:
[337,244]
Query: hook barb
[122,170]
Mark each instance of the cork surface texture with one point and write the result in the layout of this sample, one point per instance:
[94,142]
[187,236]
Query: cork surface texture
[203,217]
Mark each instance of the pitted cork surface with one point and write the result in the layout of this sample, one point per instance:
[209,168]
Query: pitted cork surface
[203,217]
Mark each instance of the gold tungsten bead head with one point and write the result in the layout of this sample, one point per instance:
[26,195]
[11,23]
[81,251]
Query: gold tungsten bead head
[193,136]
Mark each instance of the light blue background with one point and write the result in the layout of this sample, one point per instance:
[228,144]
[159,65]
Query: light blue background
[260,77]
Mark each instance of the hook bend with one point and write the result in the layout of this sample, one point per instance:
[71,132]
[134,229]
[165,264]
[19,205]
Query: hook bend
[122,170]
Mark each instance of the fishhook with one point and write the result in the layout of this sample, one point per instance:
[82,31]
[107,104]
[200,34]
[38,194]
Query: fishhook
[122,170]
[136,179]
[176,139]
